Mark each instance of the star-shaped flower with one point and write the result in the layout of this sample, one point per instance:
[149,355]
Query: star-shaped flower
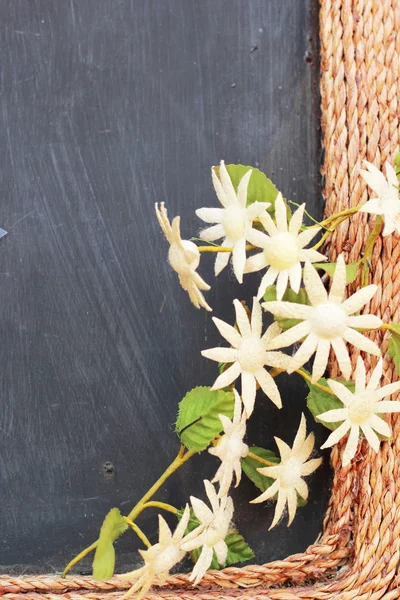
[184,258]
[289,473]
[231,448]
[233,221]
[387,201]
[327,322]
[249,354]
[160,558]
[361,410]
[212,531]
[283,249]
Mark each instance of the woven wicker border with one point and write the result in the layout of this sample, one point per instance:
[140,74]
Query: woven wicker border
[358,554]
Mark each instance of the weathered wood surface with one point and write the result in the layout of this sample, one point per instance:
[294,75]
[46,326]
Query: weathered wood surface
[107,107]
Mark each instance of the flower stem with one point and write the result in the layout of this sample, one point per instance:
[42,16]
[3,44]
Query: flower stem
[180,460]
[369,248]
[269,463]
[221,248]
[334,221]
[162,505]
[344,213]
[141,535]
[318,385]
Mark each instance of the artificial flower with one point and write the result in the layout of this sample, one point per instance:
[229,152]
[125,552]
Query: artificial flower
[231,448]
[160,558]
[289,473]
[233,221]
[361,410]
[249,354]
[211,533]
[387,201]
[283,249]
[327,322]
[184,258]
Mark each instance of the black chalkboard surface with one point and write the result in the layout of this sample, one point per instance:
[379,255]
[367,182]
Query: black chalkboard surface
[106,108]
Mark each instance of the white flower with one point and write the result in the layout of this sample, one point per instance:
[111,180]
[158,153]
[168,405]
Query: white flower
[387,202]
[212,531]
[184,258]
[249,354]
[328,322]
[289,472]
[234,220]
[160,558]
[231,448]
[283,249]
[361,410]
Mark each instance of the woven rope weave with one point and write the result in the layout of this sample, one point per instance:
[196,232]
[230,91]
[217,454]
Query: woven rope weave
[358,554]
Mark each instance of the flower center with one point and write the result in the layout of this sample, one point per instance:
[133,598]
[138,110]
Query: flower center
[362,408]
[212,537]
[183,262]
[282,251]
[235,446]
[166,559]
[329,321]
[291,473]
[251,354]
[234,222]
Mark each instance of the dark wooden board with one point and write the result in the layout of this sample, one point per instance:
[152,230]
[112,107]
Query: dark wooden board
[105,108]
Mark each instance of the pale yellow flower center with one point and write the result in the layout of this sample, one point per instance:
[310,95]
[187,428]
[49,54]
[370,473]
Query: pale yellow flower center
[362,408]
[291,473]
[234,222]
[329,321]
[179,260]
[234,446]
[212,537]
[251,354]
[282,251]
[166,559]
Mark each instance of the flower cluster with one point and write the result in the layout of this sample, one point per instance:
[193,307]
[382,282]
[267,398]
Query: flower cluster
[322,320]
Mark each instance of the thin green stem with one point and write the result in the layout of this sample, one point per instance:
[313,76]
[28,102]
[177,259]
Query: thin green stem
[369,248]
[344,213]
[221,248]
[141,535]
[269,463]
[318,385]
[180,460]
[162,505]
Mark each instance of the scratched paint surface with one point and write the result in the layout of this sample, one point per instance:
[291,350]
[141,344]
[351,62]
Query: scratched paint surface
[107,107]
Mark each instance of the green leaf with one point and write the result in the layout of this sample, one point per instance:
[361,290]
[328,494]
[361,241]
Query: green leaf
[319,401]
[261,189]
[198,422]
[288,296]
[397,165]
[351,269]
[250,466]
[394,345]
[238,550]
[104,559]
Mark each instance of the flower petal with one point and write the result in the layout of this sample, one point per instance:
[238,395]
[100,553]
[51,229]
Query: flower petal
[375,377]
[164,532]
[295,274]
[278,360]
[292,504]
[337,435]
[387,390]
[268,224]
[321,359]
[371,436]
[312,256]
[181,527]
[210,215]
[280,507]
[227,184]
[314,286]
[281,284]
[387,406]
[334,416]
[267,495]
[285,451]
[379,425]
[296,220]
[239,259]
[373,207]
[273,472]
[306,236]
[351,446]
[242,188]
[255,263]
[257,238]
[338,286]
[341,391]
[227,376]
[227,355]
[360,376]
[289,310]
[201,510]
[210,234]
[360,341]
[300,436]
[364,322]
[256,318]
[221,550]
[280,213]
[302,489]
[292,335]
[248,392]
[256,209]
[307,447]
[211,495]
[242,319]
[304,353]
[267,280]
[355,302]
[202,565]
[228,332]
[269,387]
[374,178]
[310,466]
[342,355]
